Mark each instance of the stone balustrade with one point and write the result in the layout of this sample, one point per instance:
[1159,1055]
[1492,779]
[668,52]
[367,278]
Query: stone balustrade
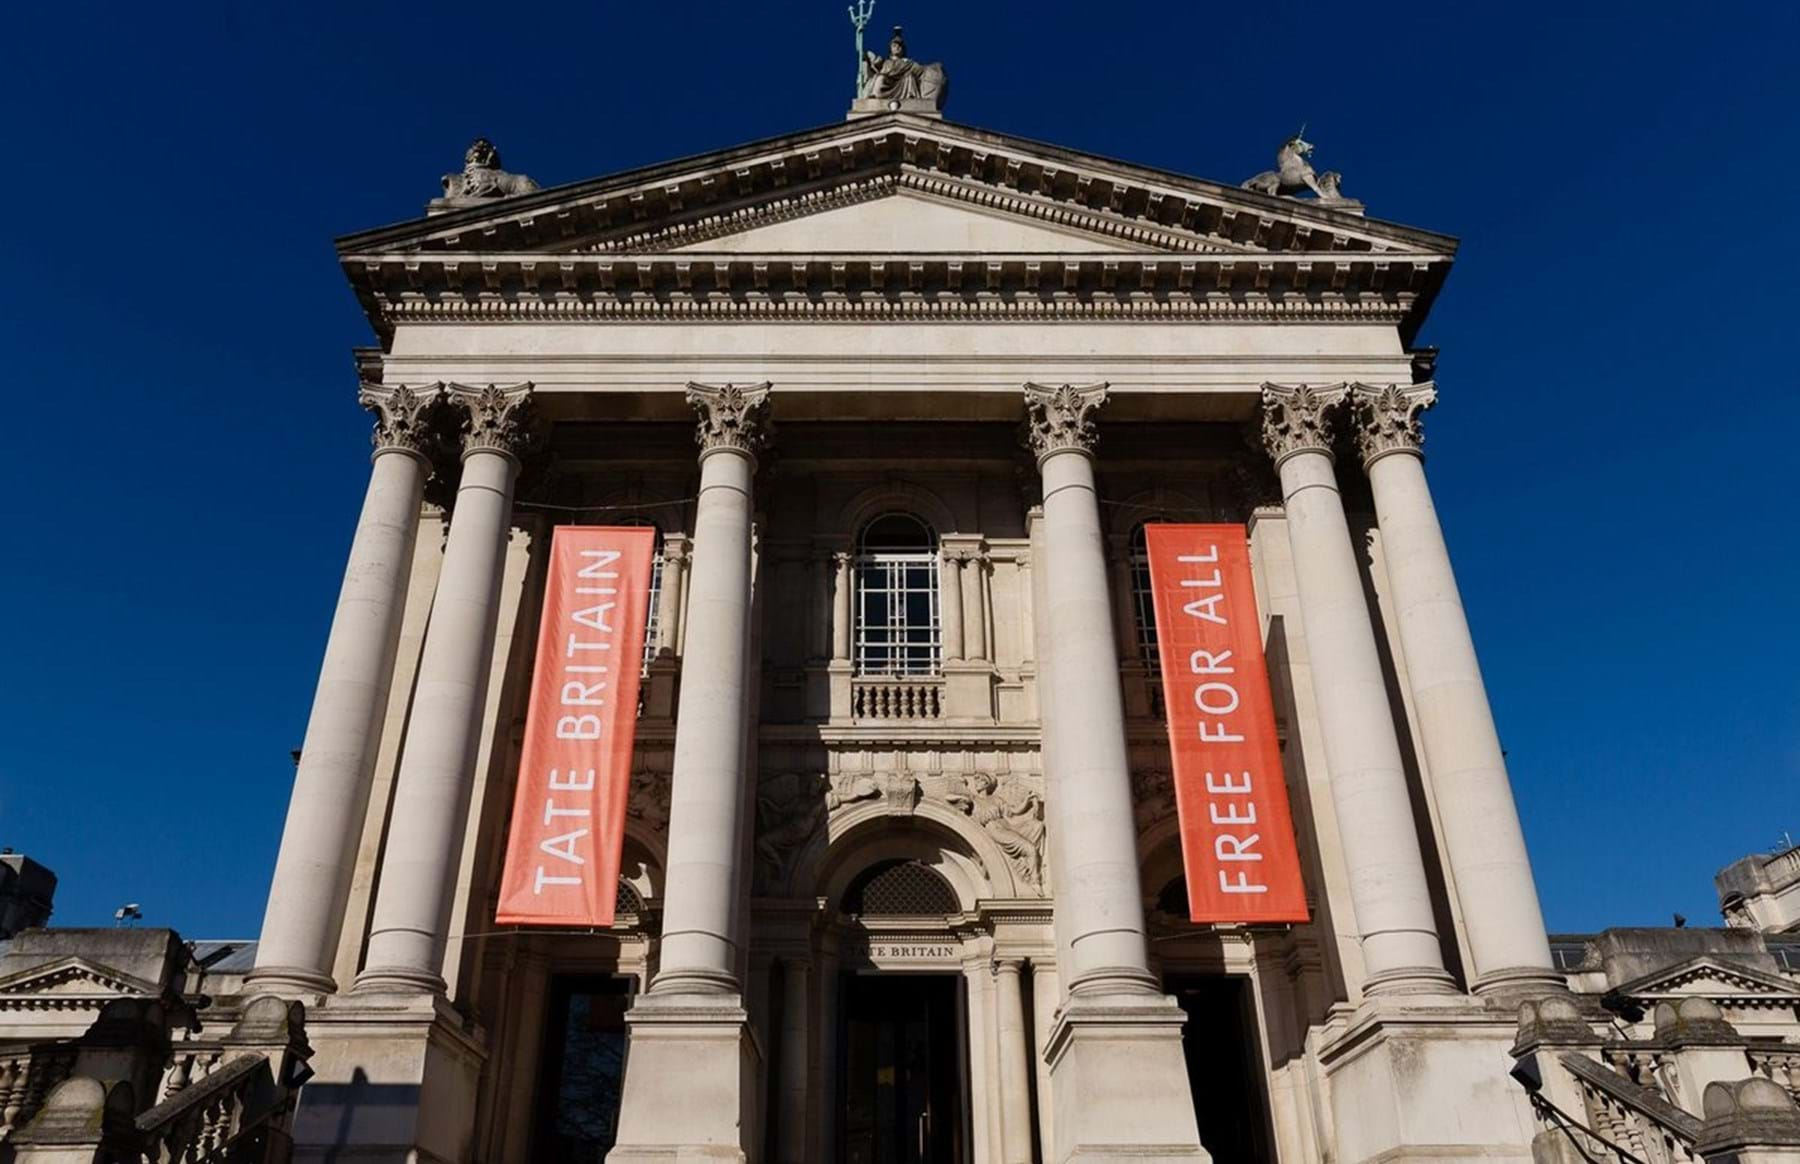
[895,698]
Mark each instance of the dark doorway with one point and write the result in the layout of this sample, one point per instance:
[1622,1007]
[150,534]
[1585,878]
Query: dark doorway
[1224,1066]
[581,1071]
[900,1090]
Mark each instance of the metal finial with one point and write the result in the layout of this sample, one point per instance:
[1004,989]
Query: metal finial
[860,12]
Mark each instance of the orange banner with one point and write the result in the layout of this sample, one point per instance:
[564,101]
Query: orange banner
[1237,837]
[568,822]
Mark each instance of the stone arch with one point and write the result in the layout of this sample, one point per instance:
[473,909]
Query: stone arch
[1159,503]
[900,496]
[642,861]
[932,833]
[623,506]
[1159,856]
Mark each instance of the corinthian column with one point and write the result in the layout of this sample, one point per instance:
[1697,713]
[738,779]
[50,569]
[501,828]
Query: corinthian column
[1088,768]
[706,790]
[437,769]
[689,1082]
[1117,1071]
[1475,801]
[343,735]
[1368,784]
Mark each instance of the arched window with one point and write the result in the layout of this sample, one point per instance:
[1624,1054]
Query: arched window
[897,631]
[1174,898]
[901,889]
[653,621]
[1143,607]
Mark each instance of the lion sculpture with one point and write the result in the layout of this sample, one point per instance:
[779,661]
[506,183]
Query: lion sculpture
[1293,174]
[482,176]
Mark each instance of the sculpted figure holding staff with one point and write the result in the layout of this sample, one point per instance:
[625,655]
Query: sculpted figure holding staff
[898,77]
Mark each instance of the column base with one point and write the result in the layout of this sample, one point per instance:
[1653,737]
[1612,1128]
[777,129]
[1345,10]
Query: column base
[395,1082]
[1514,984]
[1119,1082]
[1424,1077]
[398,980]
[290,982]
[1410,980]
[968,691]
[690,1091]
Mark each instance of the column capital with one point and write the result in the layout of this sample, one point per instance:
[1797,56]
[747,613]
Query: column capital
[494,419]
[1298,418]
[1061,419]
[1387,418]
[732,416]
[403,416]
[675,549]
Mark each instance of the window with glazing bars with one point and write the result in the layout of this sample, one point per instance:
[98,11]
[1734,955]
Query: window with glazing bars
[1143,606]
[897,622]
[653,608]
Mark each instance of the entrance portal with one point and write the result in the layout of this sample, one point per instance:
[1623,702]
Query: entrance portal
[1224,1070]
[901,1091]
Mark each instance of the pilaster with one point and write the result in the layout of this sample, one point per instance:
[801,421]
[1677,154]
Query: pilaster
[968,666]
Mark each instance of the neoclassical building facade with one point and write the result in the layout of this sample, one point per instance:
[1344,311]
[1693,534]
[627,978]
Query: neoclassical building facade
[902,875]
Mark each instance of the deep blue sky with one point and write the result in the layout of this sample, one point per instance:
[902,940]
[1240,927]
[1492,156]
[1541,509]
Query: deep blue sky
[185,459]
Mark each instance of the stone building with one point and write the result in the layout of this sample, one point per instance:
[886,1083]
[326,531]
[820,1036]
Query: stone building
[902,879]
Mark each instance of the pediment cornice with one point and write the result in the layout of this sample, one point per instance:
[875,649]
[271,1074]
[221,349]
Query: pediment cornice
[728,189]
[1151,245]
[1722,982]
[71,981]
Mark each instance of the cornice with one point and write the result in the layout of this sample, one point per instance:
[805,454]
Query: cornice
[533,288]
[1164,237]
[949,159]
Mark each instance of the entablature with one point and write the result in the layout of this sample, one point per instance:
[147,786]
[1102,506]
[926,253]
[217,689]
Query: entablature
[470,287]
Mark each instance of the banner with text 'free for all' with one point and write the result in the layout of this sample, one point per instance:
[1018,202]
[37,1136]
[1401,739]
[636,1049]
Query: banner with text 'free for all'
[568,822]
[1237,836]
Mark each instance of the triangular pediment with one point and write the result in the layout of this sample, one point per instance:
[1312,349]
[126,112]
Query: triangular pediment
[74,977]
[1721,981]
[898,185]
[904,222]
[897,218]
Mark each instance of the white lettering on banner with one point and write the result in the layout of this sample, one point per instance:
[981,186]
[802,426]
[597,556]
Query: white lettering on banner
[596,657]
[1218,698]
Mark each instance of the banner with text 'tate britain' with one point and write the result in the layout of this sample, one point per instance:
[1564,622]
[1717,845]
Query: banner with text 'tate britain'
[568,822]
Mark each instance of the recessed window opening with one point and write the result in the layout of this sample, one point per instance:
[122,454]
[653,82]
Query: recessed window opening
[897,621]
[653,619]
[1143,606]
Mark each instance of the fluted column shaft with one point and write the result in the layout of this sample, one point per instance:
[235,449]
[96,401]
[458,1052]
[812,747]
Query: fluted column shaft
[343,734]
[950,618]
[707,788]
[437,769]
[674,571]
[1093,834]
[840,607]
[1482,833]
[1388,887]
[972,565]
[1015,1065]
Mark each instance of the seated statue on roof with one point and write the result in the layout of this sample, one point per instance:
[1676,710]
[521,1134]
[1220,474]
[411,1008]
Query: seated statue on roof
[898,80]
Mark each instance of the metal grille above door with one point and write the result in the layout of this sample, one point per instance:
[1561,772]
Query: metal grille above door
[901,889]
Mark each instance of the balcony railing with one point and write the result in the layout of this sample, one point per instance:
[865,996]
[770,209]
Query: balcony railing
[895,697]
